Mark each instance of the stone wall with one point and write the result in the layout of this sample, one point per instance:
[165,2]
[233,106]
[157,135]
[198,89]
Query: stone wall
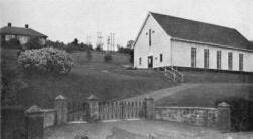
[189,115]
[200,116]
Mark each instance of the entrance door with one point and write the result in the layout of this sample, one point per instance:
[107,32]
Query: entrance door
[150,62]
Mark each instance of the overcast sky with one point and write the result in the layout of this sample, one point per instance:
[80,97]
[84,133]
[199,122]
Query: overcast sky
[65,20]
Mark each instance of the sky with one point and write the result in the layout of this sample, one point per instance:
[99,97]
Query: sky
[65,20]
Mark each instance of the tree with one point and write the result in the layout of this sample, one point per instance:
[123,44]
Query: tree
[75,41]
[127,51]
[34,43]
[89,55]
[99,48]
[130,44]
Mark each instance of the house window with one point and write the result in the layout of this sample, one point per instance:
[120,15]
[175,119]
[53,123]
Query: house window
[240,62]
[140,61]
[161,57]
[193,57]
[218,59]
[230,60]
[206,58]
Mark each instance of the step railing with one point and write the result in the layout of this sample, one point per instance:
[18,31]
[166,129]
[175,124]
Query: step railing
[173,74]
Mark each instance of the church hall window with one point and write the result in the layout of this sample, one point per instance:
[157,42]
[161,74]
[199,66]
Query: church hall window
[140,61]
[218,59]
[161,57]
[230,60]
[240,62]
[206,58]
[193,57]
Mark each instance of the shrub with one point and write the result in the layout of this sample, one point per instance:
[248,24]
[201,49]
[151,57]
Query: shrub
[108,57]
[34,43]
[47,60]
[89,55]
[240,113]
[127,51]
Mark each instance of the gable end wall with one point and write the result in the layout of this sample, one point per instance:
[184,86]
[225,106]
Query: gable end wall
[160,45]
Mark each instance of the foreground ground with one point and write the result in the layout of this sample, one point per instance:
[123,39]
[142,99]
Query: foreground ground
[139,129]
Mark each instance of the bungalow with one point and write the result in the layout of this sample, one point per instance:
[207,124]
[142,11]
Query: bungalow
[22,34]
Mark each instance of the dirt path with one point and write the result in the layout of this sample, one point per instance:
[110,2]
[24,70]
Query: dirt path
[159,94]
[162,93]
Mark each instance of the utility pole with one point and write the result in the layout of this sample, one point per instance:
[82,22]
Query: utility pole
[113,41]
[99,40]
[108,43]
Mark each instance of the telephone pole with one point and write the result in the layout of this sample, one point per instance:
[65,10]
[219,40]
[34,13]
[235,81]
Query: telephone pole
[99,40]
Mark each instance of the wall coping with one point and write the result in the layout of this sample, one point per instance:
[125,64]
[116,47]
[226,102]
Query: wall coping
[48,110]
[176,107]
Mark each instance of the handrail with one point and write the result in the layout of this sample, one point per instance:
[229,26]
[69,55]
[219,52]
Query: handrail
[175,75]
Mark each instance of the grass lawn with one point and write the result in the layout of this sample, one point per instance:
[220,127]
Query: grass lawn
[105,80]
[208,94]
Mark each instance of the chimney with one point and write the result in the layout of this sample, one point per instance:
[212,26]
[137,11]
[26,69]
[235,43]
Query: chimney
[9,24]
[26,26]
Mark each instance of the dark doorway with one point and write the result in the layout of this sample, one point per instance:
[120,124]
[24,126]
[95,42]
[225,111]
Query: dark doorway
[150,62]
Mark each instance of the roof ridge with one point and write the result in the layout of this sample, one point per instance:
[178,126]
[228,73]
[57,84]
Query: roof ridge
[200,31]
[192,20]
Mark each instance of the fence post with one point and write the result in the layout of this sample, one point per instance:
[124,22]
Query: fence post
[224,119]
[61,108]
[34,123]
[149,108]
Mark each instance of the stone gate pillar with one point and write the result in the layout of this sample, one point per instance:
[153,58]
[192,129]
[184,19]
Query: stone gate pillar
[93,102]
[149,108]
[34,123]
[61,108]
[224,117]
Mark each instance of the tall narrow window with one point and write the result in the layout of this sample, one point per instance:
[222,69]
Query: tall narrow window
[241,62]
[230,61]
[161,57]
[206,58]
[193,57]
[140,61]
[218,59]
[149,36]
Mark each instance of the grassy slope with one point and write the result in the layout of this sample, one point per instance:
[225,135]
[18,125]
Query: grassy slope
[208,94]
[107,81]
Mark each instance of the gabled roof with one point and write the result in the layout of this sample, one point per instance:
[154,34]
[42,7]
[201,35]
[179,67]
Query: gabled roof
[21,31]
[202,32]
[33,109]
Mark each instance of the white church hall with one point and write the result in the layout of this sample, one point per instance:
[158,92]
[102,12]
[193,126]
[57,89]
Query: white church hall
[165,40]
